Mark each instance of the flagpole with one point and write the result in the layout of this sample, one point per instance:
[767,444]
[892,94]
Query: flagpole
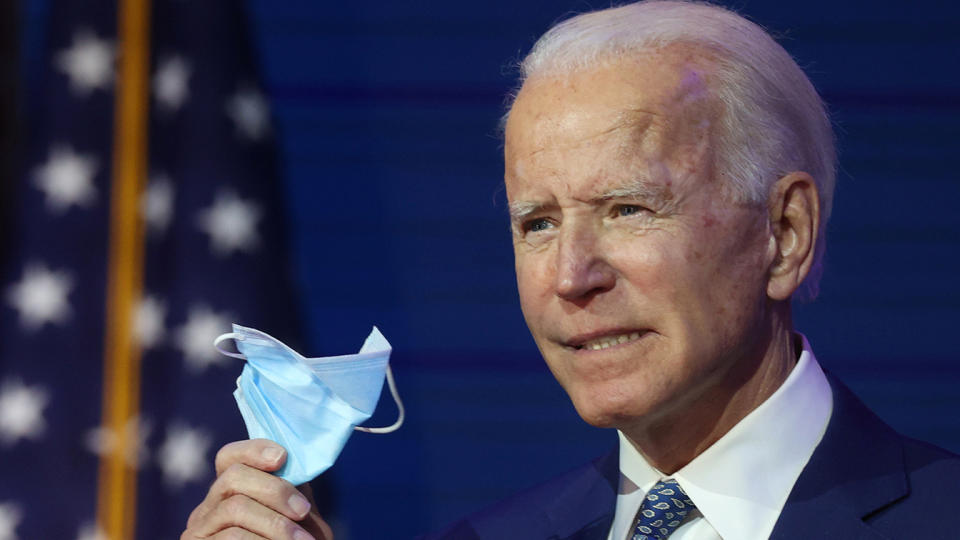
[117,483]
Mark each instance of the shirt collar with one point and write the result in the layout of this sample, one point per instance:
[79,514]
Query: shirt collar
[741,482]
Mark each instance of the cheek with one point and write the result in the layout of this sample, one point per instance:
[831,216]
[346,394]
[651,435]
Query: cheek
[729,280]
[533,286]
[655,272]
[676,282]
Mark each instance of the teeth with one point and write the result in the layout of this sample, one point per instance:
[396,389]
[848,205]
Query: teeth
[609,341]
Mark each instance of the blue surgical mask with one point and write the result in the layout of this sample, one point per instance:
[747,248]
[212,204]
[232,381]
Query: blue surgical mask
[310,406]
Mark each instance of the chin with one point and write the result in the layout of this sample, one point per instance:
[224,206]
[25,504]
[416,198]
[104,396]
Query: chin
[606,408]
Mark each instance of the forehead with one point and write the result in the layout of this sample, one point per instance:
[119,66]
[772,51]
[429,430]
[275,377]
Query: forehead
[642,110]
[635,80]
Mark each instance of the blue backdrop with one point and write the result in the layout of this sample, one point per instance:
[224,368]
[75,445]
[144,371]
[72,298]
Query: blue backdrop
[387,113]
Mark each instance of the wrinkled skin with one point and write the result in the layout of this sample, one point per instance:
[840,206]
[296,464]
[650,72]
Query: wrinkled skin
[622,228]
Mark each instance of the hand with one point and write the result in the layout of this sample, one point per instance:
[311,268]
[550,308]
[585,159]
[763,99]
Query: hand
[247,502]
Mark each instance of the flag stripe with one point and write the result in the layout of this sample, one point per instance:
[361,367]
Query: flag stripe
[116,503]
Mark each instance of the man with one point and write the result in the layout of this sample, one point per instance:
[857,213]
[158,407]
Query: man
[670,173]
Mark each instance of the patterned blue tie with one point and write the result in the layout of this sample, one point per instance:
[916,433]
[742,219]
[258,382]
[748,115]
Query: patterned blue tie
[662,511]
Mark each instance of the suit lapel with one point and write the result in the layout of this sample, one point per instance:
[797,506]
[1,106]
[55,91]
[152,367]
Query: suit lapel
[576,506]
[856,470]
[584,510]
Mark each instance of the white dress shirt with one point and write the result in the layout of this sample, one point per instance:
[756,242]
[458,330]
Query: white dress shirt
[741,482]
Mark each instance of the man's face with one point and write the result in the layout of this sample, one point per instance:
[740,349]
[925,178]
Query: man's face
[642,283]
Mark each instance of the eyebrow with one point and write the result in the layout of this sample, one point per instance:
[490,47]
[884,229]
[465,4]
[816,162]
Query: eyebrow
[639,189]
[521,209]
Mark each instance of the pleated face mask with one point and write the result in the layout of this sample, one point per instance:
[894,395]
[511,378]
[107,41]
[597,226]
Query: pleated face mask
[310,406]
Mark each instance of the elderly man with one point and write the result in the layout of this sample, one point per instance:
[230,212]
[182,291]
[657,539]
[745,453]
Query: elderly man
[670,173]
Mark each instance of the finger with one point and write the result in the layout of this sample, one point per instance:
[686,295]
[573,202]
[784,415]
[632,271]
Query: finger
[268,490]
[236,533]
[242,512]
[258,453]
[315,525]
[230,533]
[307,491]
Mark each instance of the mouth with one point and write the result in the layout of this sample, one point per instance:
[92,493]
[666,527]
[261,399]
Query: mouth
[603,342]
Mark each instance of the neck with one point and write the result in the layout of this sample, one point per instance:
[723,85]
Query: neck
[672,440]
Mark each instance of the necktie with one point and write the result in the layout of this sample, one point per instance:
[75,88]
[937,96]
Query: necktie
[662,510]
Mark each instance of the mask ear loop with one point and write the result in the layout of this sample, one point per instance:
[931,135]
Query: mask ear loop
[396,398]
[224,337]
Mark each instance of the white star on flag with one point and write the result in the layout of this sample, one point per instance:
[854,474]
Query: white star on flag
[102,441]
[183,456]
[148,321]
[41,296]
[156,204]
[196,336]
[250,114]
[10,516]
[21,411]
[91,531]
[170,83]
[231,223]
[88,62]
[66,179]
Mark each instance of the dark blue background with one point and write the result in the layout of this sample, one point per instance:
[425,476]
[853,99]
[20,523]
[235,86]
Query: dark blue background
[387,115]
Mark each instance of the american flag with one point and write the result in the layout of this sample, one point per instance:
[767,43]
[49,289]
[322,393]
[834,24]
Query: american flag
[213,253]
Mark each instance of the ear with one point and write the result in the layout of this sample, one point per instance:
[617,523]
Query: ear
[795,221]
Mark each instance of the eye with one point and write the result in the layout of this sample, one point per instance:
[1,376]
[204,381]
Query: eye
[624,210]
[537,225]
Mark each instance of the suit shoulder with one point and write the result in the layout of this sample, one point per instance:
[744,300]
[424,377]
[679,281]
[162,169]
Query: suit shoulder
[933,476]
[930,465]
[562,507]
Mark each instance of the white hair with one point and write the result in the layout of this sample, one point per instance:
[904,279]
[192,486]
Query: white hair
[773,120]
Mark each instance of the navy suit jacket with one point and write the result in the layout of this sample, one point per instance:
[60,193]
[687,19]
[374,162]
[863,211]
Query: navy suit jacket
[864,481]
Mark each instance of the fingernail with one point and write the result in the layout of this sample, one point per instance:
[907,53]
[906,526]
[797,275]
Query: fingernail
[272,453]
[300,534]
[298,503]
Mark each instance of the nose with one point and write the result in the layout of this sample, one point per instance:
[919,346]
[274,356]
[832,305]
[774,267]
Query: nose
[582,268]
